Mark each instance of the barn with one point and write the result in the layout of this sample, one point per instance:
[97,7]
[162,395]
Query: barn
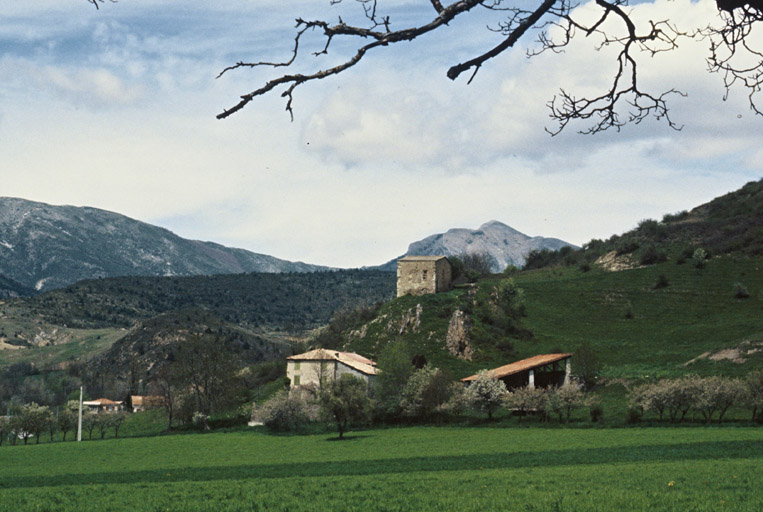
[541,371]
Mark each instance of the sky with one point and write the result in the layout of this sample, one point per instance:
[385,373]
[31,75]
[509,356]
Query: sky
[115,108]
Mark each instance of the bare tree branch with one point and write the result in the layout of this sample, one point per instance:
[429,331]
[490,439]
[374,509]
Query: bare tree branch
[731,53]
[621,102]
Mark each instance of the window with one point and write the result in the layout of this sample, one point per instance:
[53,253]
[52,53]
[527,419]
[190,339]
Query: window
[296,366]
[296,380]
[424,276]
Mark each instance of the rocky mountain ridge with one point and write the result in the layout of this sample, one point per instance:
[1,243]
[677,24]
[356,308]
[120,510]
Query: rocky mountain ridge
[44,247]
[503,244]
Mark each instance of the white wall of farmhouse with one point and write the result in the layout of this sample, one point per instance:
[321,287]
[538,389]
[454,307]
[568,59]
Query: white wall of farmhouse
[301,373]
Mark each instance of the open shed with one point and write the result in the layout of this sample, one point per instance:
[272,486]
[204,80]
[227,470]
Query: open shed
[542,371]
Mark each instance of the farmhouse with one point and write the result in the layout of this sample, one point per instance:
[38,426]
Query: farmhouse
[103,405]
[320,365]
[419,275]
[144,402]
[542,371]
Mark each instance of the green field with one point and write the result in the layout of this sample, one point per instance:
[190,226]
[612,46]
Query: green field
[417,468]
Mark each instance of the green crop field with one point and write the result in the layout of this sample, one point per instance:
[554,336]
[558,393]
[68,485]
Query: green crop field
[418,468]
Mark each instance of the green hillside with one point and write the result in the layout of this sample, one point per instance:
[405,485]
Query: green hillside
[636,328]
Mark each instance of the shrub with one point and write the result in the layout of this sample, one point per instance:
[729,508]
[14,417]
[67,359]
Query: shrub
[662,282]
[626,247]
[651,255]
[673,217]
[740,292]
[288,411]
[585,267]
[699,257]
[595,410]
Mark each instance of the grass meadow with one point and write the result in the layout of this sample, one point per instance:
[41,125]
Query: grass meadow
[414,468]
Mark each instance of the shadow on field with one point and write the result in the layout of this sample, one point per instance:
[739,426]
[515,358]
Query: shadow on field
[549,458]
[347,438]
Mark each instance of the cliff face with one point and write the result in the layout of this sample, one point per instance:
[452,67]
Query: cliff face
[44,247]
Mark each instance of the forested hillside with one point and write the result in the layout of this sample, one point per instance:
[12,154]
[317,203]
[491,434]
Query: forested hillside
[258,300]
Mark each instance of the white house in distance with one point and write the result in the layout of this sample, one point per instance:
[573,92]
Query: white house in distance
[321,365]
[103,405]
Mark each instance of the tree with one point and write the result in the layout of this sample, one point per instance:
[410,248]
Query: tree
[203,364]
[396,368]
[426,393]
[753,394]
[89,422]
[563,400]
[525,400]
[586,365]
[717,394]
[67,421]
[5,424]
[34,420]
[165,385]
[115,421]
[554,23]
[345,400]
[486,393]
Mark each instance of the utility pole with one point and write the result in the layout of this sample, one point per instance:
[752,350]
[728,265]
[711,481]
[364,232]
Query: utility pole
[79,423]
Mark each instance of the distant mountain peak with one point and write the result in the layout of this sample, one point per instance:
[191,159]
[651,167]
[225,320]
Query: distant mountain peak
[504,244]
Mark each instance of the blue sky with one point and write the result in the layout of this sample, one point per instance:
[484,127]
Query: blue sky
[115,108]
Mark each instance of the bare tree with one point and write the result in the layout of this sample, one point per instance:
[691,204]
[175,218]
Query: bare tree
[554,24]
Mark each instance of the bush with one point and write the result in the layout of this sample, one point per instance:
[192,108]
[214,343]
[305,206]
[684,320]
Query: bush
[740,292]
[662,282]
[626,247]
[651,255]
[288,411]
[699,257]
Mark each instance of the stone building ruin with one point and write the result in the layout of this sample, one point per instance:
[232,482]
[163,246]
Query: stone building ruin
[419,275]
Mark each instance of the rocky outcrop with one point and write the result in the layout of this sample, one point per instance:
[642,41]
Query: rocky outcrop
[457,337]
[411,320]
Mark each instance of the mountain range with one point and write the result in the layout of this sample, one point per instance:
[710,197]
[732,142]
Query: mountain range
[44,247]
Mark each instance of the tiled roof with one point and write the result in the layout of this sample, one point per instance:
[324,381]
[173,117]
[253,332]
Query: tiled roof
[101,401]
[523,365]
[422,258]
[351,359]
